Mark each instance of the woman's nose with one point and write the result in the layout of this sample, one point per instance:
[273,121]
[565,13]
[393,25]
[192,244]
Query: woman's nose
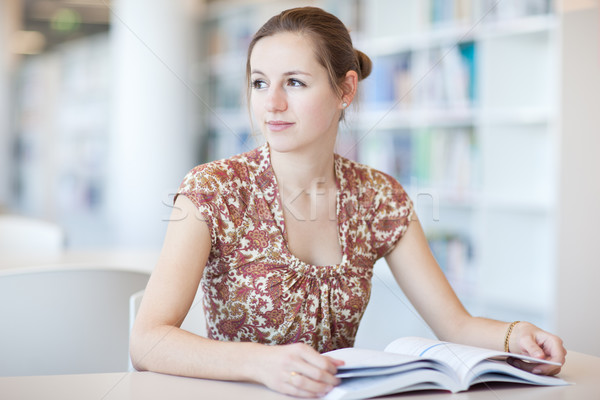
[276,99]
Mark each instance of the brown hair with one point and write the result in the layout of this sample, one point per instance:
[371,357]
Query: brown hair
[332,42]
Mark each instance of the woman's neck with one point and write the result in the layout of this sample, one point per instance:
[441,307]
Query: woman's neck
[304,172]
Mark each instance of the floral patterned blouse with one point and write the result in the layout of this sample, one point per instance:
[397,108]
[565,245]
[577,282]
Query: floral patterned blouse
[255,289]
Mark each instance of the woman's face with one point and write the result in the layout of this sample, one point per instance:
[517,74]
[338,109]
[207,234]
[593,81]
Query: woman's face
[291,97]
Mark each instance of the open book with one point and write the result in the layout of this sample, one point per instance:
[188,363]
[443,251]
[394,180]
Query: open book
[412,363]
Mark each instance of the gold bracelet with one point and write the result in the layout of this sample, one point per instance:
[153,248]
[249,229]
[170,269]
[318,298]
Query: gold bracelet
[507,337]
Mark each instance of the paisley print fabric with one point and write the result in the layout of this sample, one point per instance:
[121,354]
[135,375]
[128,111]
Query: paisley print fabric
[255,289]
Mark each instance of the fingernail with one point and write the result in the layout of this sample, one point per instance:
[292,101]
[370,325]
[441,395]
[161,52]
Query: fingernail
[537,370]
[324,393]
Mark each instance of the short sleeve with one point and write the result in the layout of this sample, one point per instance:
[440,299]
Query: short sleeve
[391,216]
[202,186]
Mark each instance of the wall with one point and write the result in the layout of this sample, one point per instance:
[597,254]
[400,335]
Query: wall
[578,291]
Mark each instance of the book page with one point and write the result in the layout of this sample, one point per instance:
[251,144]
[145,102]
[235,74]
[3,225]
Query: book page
[352,372]
[461,358]
[364,387]
[364,358]
[500,371]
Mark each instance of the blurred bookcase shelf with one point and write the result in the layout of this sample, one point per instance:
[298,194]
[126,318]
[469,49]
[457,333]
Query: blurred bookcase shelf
[461,108]
[62,104]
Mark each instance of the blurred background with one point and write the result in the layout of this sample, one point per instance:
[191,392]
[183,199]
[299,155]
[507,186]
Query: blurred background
[485,110]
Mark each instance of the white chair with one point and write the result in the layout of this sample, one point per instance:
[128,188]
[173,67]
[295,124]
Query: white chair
[65,320]
[22,234]
[194,321]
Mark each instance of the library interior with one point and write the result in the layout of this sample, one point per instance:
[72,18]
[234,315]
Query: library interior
[486,111]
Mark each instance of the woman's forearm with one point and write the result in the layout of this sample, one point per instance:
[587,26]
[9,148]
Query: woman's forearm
[295,369]
[478,331]
[171,350]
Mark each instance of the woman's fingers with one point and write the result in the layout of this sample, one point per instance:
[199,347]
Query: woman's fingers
[533,341]
[334,361]
[314,372]
[540,369]
[318,375]
[530,347]
[321,367]
[306,386]
[299,370]
[552,346]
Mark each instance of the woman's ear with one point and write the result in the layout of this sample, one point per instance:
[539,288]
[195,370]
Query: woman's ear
[349,86]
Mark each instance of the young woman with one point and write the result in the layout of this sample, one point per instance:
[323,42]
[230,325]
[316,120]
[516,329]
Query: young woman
[283,238]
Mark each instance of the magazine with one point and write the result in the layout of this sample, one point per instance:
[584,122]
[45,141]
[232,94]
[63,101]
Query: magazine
[413,363]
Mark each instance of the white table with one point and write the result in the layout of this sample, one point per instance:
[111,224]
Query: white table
[583,370]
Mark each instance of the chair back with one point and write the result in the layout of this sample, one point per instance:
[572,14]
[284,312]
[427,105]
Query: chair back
[65,320]
[194,321]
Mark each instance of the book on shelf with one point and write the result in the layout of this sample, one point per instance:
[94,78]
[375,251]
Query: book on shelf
[388,151]
[492,10]
[444,158]
[412,363]
[390,84]
[453,252]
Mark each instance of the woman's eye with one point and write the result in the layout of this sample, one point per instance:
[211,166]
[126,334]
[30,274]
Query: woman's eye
[296,83]
[259,84]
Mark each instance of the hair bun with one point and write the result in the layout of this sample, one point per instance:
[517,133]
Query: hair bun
[364,64]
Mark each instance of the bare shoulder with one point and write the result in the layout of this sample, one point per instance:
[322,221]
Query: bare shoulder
[187,230]
[177,274]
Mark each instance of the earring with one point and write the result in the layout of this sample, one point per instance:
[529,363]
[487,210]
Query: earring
[344,105]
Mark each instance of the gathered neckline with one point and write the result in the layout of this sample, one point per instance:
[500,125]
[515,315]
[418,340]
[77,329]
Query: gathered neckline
[280,220]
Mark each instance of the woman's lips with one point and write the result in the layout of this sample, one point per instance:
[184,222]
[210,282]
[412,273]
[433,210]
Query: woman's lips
[277,126]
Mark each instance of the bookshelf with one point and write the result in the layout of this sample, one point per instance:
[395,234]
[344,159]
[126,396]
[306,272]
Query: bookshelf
[95,113]
[460,108]
[62,102]
[472,103]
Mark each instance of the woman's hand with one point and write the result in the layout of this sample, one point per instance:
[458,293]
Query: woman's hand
[530,340]
[296,369]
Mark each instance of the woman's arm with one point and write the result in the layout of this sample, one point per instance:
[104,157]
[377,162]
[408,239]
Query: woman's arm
[426,286]
[158,344]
